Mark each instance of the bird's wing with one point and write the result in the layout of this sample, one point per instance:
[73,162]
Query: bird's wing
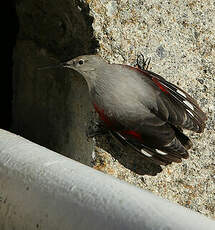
[183,110]
[178,110]
[156,140]
[162,155]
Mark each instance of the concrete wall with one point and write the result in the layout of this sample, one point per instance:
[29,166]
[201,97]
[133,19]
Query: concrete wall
[40,189]
[52,107]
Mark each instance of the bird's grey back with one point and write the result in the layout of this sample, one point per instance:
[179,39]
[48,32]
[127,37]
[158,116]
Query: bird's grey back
[124,93]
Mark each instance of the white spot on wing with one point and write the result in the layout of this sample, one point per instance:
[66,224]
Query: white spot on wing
[180,92]
[185,118]
[160,152]
[188,104]
[145,153]
[122,137]
[169,144]
[190,112]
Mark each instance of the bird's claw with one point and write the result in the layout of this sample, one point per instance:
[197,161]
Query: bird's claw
[95,129]
[142,62]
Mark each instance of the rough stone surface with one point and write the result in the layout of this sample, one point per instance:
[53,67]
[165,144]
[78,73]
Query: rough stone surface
[180,39]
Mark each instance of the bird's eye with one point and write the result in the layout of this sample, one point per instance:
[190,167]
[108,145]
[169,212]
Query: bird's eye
[80,62]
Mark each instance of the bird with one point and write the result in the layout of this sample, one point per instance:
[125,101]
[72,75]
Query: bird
[140,108]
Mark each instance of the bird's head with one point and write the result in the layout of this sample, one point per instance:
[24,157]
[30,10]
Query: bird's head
[84,64]
[87,66]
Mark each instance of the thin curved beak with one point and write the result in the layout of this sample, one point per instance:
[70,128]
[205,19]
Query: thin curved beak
[65,65]
[61,65]
[68,64]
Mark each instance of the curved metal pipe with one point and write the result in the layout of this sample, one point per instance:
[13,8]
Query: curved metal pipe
[40,189]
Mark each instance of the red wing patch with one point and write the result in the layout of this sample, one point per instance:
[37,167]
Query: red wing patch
[132,134]
[102,115]
[154,79]
[162,87]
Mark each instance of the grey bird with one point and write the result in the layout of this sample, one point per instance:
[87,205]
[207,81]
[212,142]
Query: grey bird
[140,108]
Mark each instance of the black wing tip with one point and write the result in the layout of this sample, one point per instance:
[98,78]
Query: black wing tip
[202,125]
[201,129]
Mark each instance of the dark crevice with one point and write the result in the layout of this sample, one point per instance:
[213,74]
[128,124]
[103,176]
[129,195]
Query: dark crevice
[52,107]
[64,31]
[7,65]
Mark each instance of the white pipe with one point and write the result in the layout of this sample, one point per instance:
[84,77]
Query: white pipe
[40,189]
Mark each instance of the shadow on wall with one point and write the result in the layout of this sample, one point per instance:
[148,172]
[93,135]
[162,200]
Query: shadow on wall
[126,156]
[52,107]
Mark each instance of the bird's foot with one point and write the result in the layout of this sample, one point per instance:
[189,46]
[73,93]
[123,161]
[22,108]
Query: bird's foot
[142,62]
[96,129]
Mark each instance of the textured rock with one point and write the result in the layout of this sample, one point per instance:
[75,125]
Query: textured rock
[179,37]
